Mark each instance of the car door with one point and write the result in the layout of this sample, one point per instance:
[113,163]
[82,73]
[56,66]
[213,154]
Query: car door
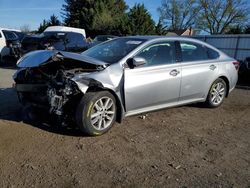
[199,70]
[155,84]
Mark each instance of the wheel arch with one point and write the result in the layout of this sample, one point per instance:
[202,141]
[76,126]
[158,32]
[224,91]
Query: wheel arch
[227,83]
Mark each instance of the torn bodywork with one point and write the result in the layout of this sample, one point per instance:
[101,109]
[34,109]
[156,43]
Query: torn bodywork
[54,80]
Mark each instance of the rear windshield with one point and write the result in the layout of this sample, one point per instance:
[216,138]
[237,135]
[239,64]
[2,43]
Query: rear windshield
[54,35]
[9,35]
[20,35]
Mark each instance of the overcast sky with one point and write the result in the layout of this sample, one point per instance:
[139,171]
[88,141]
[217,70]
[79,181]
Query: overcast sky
[15,13]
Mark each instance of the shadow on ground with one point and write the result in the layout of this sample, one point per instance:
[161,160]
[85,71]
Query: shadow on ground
[12,110]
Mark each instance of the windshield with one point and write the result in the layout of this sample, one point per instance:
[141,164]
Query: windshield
[114,50]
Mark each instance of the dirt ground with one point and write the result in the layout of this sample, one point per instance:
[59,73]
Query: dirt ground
[188,146]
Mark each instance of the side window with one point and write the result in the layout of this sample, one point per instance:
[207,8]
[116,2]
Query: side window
[193,52]
[158,54]
[0,35]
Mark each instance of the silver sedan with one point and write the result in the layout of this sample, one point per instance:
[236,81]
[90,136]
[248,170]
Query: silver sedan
[123,77]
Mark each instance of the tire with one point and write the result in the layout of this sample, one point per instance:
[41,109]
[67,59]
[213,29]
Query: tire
[217,93]
[96,113]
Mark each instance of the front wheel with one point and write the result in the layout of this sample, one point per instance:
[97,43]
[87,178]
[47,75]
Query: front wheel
[96,112]
[217,93]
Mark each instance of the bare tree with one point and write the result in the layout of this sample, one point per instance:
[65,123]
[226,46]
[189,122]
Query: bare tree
[25,28]
[179,14]
[218,16]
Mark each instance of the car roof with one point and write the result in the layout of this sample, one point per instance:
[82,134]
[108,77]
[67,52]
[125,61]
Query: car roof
[158,38]
[66,29]
[153,37]
[7,29]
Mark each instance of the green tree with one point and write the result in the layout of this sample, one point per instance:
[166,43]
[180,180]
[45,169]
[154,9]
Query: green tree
[217,17]
[140,21]
[160,29]
[247,29]
[235,30]
[179,14]
[53,21]
[96,17]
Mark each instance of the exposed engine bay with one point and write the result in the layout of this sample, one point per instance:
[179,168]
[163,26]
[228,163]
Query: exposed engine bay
[49,86]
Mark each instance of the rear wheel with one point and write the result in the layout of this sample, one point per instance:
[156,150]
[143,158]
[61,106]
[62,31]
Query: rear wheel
[96,112]
[217,93]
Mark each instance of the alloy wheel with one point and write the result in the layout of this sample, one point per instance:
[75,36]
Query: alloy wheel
[103,113]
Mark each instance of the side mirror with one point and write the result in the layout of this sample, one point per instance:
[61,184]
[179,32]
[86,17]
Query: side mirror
[136,62]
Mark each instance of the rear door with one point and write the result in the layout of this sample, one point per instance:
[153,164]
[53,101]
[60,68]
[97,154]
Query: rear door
[199,70]
[155,84]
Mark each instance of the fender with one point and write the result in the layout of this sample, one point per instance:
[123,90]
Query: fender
[86,84]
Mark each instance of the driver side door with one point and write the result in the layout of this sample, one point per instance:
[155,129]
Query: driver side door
[156,84]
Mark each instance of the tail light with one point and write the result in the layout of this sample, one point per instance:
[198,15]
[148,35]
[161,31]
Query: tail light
[236,65]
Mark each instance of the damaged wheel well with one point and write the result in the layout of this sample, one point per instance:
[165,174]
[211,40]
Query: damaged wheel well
[118,102]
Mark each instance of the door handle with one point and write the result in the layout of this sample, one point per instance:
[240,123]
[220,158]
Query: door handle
[212,67]
[174,72]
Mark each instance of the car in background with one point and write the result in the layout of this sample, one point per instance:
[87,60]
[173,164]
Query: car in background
[124,77]
[9,43]
[244,72]
[20,34]
[56,38]
[101,38]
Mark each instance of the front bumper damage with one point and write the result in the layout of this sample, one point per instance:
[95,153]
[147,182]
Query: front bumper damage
[54,80]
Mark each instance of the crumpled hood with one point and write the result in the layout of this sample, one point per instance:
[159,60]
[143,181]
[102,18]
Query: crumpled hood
[42,57]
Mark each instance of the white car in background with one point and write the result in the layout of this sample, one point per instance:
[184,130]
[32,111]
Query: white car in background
[65,29]
[8,40]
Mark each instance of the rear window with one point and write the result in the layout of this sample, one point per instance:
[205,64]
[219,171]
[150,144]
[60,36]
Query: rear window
[53,35]
[75,37]
[9,35]
[19,34]
[196,52]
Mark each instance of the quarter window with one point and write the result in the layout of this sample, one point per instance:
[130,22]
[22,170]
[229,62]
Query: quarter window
[212,54]
[158,54]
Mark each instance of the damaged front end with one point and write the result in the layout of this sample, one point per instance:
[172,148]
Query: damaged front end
[46,80]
